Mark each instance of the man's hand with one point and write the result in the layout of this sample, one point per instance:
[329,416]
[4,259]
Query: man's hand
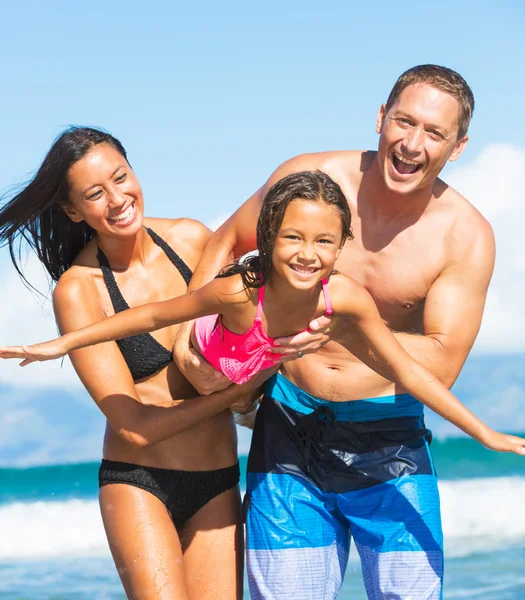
[197,370]
[306,342]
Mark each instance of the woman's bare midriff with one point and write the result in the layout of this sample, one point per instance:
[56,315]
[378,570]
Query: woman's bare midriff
[209,445]
[334,374]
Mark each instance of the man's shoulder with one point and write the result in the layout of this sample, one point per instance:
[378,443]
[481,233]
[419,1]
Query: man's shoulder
[455,203]
[334,162]
[469,226]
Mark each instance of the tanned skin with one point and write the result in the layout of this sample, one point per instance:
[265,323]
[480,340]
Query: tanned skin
[424,253]
[160,421]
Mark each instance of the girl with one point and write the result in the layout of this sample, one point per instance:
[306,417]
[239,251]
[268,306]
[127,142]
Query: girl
[303,224]
[168,480]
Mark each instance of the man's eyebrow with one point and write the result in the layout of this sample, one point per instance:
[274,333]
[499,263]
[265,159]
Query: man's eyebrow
[95,184]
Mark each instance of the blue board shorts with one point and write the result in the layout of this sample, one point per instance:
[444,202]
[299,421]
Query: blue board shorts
[321,472]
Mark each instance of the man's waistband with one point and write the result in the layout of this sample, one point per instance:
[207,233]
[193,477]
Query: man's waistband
[368,409]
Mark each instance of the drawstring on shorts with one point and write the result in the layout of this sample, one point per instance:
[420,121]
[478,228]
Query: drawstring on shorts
[314,429]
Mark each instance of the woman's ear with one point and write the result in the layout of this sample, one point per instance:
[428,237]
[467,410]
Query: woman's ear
[71,212]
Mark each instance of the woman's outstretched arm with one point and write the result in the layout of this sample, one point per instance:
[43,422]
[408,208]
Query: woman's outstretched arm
[357,304]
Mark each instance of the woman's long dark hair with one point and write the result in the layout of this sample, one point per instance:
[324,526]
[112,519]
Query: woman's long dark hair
[314,186]
[35,214]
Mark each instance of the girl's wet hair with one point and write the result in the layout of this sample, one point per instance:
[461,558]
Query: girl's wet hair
[313,186]
[35,214]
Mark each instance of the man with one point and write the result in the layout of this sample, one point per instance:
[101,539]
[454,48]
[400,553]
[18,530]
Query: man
[426,256]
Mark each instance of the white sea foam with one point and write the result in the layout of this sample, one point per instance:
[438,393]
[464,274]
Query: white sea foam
[48,529]
[479,515]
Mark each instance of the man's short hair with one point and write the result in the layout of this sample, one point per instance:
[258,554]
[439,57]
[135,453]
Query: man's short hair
[444,79]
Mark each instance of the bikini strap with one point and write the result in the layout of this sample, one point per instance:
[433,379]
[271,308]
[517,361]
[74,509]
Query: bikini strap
[117,299]
[327,301]
[183,268]
[260,302]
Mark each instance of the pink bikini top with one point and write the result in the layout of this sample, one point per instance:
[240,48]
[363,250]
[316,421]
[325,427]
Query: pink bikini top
[240,356]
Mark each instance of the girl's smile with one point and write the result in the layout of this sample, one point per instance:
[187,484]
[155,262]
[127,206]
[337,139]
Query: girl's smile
[308,242]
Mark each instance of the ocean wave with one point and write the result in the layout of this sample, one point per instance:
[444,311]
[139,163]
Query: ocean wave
[479,516]
[49,529]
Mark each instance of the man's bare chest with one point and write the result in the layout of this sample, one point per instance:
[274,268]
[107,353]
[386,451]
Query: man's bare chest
[397,275]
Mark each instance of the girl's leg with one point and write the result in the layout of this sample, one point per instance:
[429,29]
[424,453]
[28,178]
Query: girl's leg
[144,543]
[212,542]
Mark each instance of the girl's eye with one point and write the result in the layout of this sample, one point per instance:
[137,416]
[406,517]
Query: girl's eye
[292,237]
[121,178]
[325,241]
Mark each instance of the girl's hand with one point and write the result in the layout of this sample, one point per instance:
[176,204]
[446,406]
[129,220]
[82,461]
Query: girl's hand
[37,352]
[502,442]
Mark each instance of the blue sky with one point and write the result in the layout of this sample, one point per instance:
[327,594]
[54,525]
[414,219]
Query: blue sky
[208,98]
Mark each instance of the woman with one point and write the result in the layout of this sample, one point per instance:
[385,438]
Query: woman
[169,477]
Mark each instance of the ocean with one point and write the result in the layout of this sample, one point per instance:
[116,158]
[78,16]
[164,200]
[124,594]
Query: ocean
[53,547]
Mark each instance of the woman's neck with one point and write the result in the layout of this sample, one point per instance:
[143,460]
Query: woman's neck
[124,252]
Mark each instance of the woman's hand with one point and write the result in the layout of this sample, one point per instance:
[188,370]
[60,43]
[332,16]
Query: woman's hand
[36,352]
[306,342]
[250,391]
[502,442]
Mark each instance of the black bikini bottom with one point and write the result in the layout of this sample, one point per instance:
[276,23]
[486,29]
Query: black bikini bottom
[183,493]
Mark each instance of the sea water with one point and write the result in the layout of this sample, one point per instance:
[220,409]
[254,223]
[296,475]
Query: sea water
[52,543]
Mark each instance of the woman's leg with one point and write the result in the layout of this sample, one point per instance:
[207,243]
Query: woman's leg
[144,543]
[212,542]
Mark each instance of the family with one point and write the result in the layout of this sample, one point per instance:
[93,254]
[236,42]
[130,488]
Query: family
[360,306]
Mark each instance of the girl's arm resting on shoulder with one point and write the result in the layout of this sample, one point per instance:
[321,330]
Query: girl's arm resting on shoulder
[141,319]
[415,378]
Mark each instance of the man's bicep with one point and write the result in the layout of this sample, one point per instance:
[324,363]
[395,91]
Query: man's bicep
[242,225]
[454,307]
[240,230]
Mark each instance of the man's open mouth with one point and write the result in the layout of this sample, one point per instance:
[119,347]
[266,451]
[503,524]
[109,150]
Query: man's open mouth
[405,166]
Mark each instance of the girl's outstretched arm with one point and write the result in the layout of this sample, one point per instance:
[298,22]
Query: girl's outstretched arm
[209,299]
[359,305]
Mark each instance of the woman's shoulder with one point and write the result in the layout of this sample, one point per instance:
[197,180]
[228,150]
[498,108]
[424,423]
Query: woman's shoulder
[188,237]
[76,287]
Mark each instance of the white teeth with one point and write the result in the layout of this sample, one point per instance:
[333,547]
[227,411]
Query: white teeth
[123,216]
[303,270]
[406,160]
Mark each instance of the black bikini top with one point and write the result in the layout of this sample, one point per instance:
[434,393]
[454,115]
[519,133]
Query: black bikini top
[142,353]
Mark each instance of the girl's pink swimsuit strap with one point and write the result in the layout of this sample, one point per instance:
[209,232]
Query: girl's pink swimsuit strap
[239,356]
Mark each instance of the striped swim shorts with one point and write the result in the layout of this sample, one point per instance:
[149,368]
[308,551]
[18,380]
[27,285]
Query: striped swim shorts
[321,472]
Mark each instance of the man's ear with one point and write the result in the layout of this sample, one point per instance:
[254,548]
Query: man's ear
[71,213]
[458,150]
[380,118]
